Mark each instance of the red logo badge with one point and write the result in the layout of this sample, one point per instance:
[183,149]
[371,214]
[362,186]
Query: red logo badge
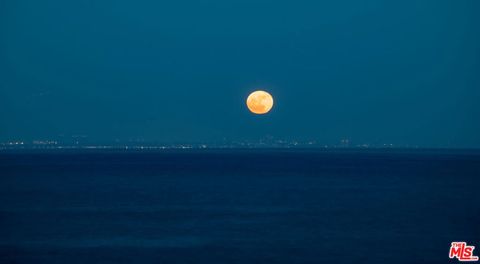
[462,252]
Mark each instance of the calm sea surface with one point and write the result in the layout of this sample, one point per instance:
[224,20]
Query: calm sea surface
[242,206]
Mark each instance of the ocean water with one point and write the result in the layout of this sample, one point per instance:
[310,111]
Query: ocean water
[238,206]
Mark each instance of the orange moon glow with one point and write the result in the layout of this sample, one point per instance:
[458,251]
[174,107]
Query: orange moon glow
[260,102]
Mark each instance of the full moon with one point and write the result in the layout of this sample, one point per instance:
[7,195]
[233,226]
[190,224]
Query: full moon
[260,102]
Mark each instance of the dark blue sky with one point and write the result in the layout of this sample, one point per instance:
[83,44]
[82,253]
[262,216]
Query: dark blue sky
[402,72]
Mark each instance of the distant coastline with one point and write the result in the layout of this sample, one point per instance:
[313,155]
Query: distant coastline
[188,148]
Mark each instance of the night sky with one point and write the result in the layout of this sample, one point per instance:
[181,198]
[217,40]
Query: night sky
[401,72]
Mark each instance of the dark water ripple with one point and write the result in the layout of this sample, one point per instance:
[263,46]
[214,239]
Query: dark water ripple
[237,206]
